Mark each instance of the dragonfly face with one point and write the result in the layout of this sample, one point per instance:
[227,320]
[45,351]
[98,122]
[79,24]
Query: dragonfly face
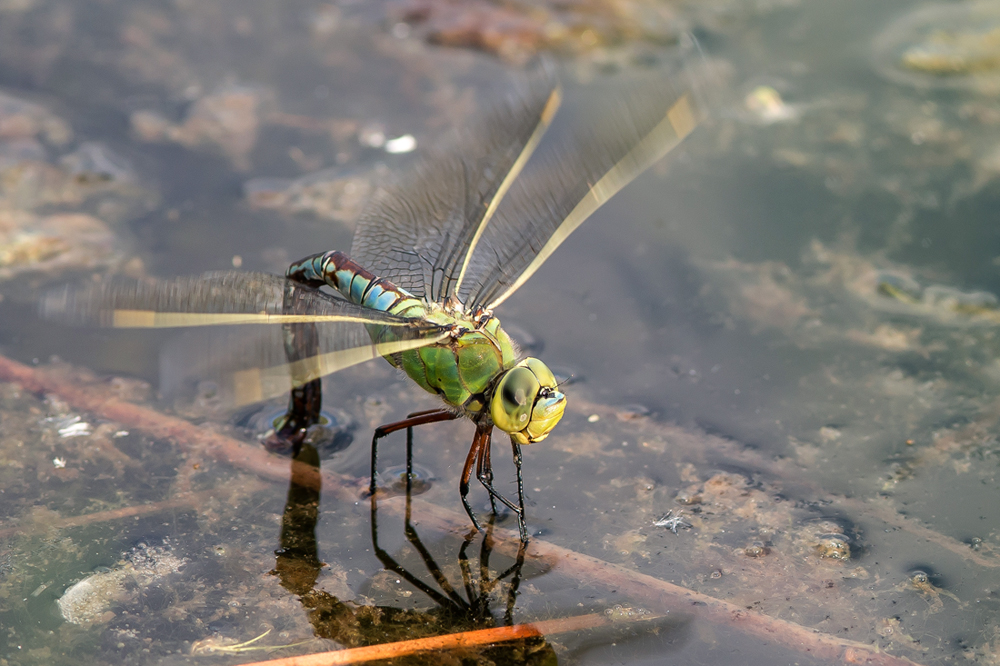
[526,403]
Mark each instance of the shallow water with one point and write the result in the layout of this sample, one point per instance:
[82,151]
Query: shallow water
[785,333]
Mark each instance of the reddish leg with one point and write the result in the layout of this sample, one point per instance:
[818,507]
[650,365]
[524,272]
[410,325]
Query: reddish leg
[416,419]
[473,457]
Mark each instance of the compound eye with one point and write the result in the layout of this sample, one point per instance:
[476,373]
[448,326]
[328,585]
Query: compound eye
[514,400]
[541,372]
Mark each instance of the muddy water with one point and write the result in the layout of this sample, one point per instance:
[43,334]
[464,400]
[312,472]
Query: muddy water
[784,334]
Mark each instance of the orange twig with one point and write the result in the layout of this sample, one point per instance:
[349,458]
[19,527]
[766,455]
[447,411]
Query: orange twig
[466,639]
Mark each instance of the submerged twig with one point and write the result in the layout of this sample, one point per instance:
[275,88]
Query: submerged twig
[656,593]
[188,436]
[463,640]
[182,501]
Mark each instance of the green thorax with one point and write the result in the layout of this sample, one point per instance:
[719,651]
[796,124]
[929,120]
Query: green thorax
[462,369]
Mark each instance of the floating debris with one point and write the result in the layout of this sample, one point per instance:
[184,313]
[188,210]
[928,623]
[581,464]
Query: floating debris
[619,613]
[766,105]
[74,426]
[672,522]
[401,144]
[941,301]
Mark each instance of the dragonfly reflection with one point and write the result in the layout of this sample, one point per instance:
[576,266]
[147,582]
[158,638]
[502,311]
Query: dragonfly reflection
[354,625]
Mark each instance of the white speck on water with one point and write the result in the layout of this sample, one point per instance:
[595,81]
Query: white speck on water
[59,463]
[402,144]
[593,418]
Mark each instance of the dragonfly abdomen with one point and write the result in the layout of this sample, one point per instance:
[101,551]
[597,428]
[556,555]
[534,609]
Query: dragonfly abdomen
[357,284]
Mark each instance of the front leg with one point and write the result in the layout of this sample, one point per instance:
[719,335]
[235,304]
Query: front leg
[416,419]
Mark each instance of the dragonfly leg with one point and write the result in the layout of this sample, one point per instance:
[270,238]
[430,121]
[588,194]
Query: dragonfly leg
[484,469]
[463,486]
[520,491]
[419,418]
[485,476]
[306,399]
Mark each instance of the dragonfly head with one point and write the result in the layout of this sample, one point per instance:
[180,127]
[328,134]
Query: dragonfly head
[526,402]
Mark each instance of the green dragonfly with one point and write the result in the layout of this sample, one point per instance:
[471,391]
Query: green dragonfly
[435,253]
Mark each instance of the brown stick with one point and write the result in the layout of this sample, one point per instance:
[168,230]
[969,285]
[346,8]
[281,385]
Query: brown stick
[466,639]
[654,592]
[186,435]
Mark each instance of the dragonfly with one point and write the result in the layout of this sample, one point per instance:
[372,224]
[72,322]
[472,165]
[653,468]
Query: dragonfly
[435,253]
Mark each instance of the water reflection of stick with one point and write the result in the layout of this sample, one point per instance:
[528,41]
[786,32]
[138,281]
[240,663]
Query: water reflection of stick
[639,587]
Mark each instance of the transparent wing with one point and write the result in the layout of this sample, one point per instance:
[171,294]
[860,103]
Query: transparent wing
[420,231]
[623,135]
[247,362]
[213,299]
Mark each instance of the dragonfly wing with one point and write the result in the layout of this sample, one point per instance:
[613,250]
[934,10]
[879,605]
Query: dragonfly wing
[224,298]
[569,179]
[418,232]
[246,362]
